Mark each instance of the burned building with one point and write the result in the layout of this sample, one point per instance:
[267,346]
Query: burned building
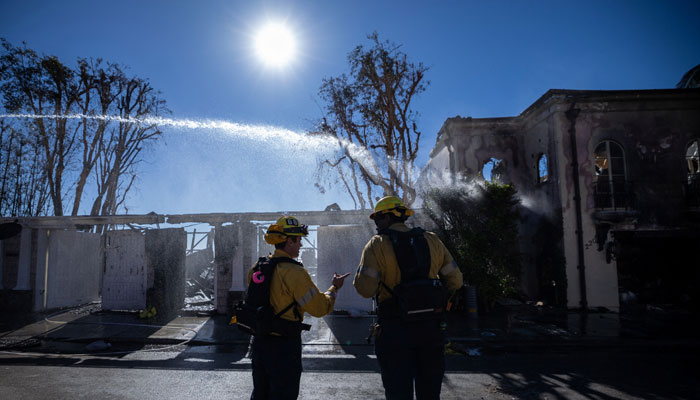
[47,263]
[610,191]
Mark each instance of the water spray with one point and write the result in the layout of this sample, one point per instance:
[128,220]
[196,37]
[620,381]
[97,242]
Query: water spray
[247,131]
[317,143]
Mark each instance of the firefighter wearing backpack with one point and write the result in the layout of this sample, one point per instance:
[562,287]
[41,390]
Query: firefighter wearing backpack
[410,272]
[276,356]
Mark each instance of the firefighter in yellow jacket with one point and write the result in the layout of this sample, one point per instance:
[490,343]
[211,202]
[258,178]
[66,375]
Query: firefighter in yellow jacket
[409,346]
[276,358]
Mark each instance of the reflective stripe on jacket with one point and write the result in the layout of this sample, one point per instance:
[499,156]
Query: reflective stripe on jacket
[378,262]
[291,282]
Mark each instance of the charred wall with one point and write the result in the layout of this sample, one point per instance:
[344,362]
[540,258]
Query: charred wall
[654,137]
[165,256]
[572,227]
[651,240]
[518,144]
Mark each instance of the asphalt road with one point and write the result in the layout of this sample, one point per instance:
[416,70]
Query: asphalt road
[348,372]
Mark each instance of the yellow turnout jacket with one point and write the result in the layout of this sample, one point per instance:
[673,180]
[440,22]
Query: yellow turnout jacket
[291,282]
[379,263]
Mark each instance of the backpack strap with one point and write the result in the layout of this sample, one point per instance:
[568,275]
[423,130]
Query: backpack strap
[279,314]
[277,260]
[391,292]
[414,260]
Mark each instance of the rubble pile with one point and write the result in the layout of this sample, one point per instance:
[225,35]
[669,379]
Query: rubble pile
[199,289]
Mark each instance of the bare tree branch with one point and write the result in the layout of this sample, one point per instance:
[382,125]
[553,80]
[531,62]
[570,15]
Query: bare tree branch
[53,158]
[371,109]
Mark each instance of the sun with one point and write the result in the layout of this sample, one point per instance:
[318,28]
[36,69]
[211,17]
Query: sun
[275,45]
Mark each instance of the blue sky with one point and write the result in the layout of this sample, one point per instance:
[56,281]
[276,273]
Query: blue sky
[486,59]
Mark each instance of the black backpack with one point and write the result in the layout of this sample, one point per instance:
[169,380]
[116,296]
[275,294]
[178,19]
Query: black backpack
[255,315]
[417,297]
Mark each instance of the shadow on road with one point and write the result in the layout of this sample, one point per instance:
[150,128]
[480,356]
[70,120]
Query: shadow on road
[587,374]
[595,375]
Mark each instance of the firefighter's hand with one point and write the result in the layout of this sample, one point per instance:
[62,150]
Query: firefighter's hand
[338,280]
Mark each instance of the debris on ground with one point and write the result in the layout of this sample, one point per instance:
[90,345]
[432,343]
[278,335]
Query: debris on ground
[149,312]
[199,290]
[453,349]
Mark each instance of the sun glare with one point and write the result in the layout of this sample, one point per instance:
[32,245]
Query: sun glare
[275,45]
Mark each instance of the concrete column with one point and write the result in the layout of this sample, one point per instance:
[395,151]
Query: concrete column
[165,254]
[25,261]
[42,265]
[237,284]
[221,281]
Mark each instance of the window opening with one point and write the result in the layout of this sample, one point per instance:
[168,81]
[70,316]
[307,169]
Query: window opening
[611,176]
[493,170]
[542,169]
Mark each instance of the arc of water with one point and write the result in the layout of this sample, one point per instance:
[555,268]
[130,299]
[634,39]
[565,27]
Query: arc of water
[253,132]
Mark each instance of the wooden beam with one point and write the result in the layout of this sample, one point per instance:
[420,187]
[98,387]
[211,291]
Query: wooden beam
[305,217]
[344,217]
[85,220]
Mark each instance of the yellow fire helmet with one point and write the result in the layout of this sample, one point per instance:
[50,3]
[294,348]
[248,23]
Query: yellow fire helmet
[391,204]
[283,227]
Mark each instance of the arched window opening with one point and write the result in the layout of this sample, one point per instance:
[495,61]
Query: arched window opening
[692,163]
[494,170]
[611,188]
[542,169]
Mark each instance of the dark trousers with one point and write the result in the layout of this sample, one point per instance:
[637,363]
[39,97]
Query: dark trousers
[276,367]
[411,353]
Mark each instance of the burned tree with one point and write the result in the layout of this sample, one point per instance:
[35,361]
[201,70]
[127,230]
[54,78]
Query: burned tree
[97,100]
[120,151]
[23,187]
[370,114]
[43,86]
[84,122]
